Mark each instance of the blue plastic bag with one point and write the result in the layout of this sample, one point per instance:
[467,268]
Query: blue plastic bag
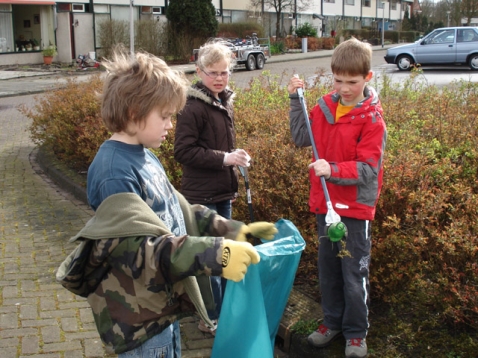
[252,308]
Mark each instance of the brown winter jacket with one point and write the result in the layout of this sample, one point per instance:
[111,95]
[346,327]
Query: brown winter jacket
[204,133]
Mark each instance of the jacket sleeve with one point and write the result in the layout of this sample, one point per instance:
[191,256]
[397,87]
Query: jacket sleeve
[187,151]
[211,224]
[369,158]
[164,259]
[202,221]
[298,127]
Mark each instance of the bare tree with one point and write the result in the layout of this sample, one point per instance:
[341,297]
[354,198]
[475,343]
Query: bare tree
[279,7]
[469,9]
[450,11]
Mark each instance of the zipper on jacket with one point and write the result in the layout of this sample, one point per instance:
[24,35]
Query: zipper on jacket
[169,295]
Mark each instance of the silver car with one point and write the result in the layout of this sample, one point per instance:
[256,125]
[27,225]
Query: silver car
[443,46]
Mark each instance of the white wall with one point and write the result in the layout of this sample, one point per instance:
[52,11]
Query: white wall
[63,38]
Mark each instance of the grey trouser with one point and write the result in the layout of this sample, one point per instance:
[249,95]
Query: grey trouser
[344,282]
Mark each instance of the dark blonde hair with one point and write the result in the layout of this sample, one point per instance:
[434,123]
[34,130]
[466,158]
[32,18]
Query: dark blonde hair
[137,84]
[214,51]
[352,58]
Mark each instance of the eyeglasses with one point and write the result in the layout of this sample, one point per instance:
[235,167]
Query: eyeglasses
[223,74]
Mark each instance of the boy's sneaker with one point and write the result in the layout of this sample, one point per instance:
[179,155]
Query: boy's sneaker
[356,348]
[323,336]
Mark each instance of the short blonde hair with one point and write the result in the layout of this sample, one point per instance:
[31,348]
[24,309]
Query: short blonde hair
[214,51]
[352,57]
[137,84]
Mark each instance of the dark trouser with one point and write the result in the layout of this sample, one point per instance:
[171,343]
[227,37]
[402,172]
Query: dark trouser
[218,284]
[344,282]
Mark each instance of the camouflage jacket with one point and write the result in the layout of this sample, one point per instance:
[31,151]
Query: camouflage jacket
[138,278]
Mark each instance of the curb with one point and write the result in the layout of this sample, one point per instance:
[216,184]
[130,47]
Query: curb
[64,177]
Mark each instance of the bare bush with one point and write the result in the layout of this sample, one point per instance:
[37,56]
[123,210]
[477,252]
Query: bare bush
[150,36]
[112,33]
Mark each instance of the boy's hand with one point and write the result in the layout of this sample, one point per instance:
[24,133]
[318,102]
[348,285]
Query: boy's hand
[294,83]
[321,168]
[260,229]
[236,257]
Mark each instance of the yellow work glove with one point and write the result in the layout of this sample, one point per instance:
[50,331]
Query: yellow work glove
[260,229]
[236,257]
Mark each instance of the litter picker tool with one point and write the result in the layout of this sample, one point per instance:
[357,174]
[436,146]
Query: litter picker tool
[245,174]
[336,228]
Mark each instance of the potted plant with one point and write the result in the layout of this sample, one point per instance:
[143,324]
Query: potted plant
[48,53]
[36,45]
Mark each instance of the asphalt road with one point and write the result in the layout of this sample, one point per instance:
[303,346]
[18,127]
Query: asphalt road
[310,68]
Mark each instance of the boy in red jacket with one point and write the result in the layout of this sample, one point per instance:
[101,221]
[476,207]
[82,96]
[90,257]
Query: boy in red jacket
[350,136]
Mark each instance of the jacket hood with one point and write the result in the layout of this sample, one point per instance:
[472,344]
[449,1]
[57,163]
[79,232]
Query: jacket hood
[200,91]
[122,215]
[370,104]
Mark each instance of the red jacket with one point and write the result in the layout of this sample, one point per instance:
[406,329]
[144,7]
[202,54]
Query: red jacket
[354,146]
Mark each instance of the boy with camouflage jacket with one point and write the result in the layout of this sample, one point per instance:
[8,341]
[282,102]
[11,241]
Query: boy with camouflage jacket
[139,256]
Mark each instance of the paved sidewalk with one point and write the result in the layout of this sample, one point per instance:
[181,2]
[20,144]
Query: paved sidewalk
[38,318]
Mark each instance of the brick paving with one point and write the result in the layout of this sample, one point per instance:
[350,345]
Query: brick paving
[38,318]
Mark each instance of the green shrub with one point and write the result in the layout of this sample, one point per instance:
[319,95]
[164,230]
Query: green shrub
[278,47]
[194,18]
[180,45]
[306,30]
[425,250]
[426,228]
[190,24]
[68,121]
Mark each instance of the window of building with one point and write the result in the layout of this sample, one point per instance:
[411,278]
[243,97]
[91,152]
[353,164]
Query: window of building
[78,7]
[6,28]
[350,2]
[226,15]
[101,9]
[155,10]
[63,7]
[366,3]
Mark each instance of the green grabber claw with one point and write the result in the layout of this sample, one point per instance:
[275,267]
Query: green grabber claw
[337,231]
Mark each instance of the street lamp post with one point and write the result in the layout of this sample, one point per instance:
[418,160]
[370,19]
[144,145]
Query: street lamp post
[383,23]
[131,28]
[448,18]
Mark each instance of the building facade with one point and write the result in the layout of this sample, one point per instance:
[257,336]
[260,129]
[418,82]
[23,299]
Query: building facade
[27,26]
